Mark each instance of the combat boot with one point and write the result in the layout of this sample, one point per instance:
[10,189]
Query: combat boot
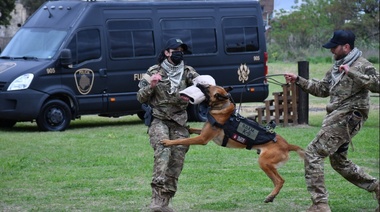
[160,201]
[319,207]
[377,193]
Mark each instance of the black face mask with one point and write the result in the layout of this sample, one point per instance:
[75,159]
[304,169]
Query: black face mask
[176,57]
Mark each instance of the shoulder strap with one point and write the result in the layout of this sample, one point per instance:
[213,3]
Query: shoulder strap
[213,122]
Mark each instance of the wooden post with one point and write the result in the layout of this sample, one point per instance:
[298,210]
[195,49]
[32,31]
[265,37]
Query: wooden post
[276,108]
[285,103]
[303,97]
[267,110]
[293,90]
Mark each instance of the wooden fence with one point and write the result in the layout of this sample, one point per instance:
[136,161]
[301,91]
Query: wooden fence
[281,109]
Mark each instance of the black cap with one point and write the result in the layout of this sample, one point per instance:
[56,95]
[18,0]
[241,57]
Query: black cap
[341,37]
[174,43]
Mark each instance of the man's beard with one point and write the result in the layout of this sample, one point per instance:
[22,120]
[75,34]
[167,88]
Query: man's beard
[339,57]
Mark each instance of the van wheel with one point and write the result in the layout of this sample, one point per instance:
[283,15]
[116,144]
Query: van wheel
[55,115]
[197,112]
[4,123]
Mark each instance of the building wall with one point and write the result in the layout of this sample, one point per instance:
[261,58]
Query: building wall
[268,8]
[19,16]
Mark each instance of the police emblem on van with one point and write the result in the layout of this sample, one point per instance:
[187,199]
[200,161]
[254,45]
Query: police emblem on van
[5,66]
[243,73]
[84,79]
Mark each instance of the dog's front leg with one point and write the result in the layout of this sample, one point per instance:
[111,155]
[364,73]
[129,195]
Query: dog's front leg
[207,134]
[185,141]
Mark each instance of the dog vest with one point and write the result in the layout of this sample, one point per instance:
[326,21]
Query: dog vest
[245,131]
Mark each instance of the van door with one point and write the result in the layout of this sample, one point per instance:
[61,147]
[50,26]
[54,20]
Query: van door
[131,51]
[88,77]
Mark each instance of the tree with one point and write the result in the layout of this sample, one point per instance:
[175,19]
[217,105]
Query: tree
[311,24]
[32,5]
[6,8]
[362,16]
[306,26]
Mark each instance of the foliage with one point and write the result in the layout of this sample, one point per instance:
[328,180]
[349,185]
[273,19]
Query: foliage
[305,27]
[32,5]
[310,25]
[362,16]
[6,8]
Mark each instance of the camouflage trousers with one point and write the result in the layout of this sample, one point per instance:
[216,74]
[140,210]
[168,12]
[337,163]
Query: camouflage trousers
[168,161]
[332,141]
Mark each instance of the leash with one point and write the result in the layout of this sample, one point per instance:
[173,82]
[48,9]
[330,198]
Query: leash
[268,78]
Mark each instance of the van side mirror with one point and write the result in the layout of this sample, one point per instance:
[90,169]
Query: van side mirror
[66,60]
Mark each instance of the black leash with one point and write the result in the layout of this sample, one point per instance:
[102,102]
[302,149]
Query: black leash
[268,78]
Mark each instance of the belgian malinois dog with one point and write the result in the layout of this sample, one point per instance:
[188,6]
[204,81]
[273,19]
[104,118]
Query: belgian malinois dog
[271,154]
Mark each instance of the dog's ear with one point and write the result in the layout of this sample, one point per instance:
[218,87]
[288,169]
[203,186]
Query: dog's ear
[228,89]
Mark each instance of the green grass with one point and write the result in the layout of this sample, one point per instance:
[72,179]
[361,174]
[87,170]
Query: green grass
[105,165]
[102,164]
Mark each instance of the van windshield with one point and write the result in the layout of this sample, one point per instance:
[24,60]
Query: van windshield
[34,43]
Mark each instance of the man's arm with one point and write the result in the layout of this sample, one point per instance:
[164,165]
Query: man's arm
[369,79]
[318,88]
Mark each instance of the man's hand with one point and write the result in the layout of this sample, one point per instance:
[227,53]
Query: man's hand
[344,68]
[166,142]
[290,78]
[154,80]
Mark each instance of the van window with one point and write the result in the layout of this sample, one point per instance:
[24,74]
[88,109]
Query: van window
[41,43]
[240,34]
[85,45]
[198,33]
[130,38]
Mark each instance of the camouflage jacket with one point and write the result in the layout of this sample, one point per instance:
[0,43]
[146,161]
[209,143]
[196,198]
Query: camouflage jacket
[166,106]
[351,92]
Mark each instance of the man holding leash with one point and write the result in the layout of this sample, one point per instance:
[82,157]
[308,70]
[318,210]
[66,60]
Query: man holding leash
[159,88]
[348,84]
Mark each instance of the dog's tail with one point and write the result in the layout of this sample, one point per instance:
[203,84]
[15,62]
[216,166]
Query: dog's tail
[299,150]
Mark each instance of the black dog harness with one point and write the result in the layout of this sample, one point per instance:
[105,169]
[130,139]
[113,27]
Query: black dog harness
[245,131]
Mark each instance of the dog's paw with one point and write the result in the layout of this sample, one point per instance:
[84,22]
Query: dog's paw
[269,198]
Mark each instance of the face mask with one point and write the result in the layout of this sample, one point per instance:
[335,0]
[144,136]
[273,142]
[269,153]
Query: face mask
[176,57]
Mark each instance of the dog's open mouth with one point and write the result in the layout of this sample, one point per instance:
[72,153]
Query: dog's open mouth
[185,97]
[192,94]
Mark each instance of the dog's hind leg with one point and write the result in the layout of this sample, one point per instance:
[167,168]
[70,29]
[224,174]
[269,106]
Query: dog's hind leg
[271,171]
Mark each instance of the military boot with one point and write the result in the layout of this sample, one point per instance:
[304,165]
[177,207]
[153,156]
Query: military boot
[377,193]
[160,201]
[319,207]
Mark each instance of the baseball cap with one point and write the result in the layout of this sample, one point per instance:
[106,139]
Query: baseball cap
[174,43]
[341,37]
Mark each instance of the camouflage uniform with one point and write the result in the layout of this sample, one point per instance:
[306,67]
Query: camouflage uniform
[169,122]
[350,95]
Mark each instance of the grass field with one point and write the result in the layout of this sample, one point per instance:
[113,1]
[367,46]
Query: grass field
[102,164]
